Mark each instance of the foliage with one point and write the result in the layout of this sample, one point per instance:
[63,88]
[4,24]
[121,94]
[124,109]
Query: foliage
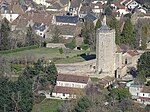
[61,51]
[16,96]
[72,44]
[128,15]
[108,11]
[82,104]
[31,37]
[148,83]
[56,38]
[84,46]
[120,93]
[19,49]
[143,66]
[42,73]
[128,36]
[144,36]
[98,24]
[4,35]
[88,33]
[114,24]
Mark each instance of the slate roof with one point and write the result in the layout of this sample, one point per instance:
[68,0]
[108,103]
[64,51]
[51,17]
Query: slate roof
[90,16]
[67,19]
[73,78]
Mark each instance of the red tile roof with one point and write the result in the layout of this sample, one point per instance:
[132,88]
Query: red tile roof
[67,90]
[146,89]
[73,78]
[132,53]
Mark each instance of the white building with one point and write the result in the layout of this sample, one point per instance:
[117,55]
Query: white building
[144,95]
[69,86]
[132,5]
[135,91]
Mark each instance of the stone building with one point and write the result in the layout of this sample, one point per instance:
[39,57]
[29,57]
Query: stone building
[105,49]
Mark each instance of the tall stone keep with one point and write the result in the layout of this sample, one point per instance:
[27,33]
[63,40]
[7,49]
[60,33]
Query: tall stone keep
[105,49]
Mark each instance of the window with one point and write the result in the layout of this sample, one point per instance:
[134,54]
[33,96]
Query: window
[63,94]
[143,94]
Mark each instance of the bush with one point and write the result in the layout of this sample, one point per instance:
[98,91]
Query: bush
[61,51]
[71,45]
[84,46]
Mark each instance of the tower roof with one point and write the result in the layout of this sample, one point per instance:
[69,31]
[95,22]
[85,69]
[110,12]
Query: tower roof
[104,24]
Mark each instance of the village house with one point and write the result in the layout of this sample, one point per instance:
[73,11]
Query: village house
[120,8]
[135,90]
[106,82]
[144,95]
[69,86]
[130,58]
[97,7]
[65,20]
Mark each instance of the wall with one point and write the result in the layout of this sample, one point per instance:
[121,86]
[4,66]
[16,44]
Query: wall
[71,84]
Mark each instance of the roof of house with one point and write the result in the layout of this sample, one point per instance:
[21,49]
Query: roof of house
[67,90]
[55,6]
[73,78]
[90,16]
[75,3]
[132,53]
[67,19]
[146,89]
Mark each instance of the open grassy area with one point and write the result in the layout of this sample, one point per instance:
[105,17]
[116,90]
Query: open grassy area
[48,53]
[48,105]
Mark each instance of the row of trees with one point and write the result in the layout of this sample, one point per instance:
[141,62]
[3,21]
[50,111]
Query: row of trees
[132,36]
[9,41]
[19,95]
[117,100]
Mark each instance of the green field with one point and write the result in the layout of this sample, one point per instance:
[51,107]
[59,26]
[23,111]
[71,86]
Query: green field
[48,105]
[49,54]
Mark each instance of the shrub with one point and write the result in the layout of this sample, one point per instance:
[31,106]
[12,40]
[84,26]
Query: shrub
[84,46]
[61,51]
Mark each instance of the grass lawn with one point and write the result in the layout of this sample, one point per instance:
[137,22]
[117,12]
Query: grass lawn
[48,53]
[48,105]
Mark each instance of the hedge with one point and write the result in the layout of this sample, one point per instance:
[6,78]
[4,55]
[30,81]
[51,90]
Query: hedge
[19,49]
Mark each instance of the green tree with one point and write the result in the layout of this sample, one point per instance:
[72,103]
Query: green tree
[144,36]
[72,44]
[120,93]
[31,37]
[56,36]
[128,36]
[83,104]
[88,33]
[98,24]
[108,11]
[25,93]
[52,73]
[114,24]
[143,66]
[4,35]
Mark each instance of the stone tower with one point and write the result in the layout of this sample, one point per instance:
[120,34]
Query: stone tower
[105,49]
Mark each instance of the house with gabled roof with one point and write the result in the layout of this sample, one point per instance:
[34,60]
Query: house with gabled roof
[65,20]
[70,86]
